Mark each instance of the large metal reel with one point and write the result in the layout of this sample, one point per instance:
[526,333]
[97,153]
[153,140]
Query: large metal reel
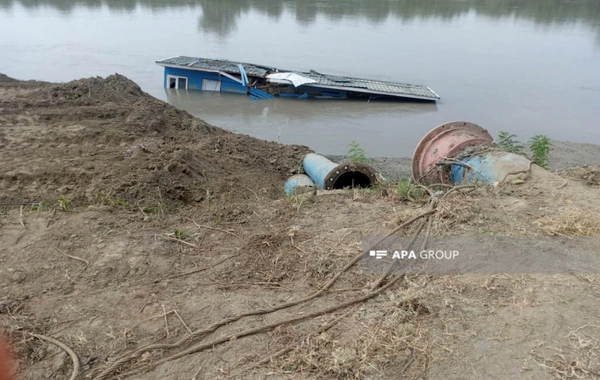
[444,141]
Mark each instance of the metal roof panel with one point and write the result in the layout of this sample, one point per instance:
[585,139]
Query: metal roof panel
[215,65]
[372,85]
[349,83]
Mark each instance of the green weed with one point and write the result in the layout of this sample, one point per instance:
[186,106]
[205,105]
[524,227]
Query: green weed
[37,206]
[65,203]
[508,142]
[180,234]
[152,210]
[356,153]
[109,200]
[408,191]
[540,146]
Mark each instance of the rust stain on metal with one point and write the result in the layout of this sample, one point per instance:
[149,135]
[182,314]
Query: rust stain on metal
[444,141]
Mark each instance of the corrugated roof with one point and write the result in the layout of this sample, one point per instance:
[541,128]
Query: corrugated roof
[215,65]
[371,85]
[347,83]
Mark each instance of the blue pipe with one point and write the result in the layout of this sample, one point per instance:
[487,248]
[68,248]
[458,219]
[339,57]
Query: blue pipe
[295,181]
[318,168]
[488,167]
[328,175]
[243,75]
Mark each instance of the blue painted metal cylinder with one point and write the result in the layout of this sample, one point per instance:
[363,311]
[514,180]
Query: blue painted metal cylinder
[318,168]
[488,167]
[295,181]
[328,175]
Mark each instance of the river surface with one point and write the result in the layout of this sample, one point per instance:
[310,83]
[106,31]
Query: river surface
[527,67]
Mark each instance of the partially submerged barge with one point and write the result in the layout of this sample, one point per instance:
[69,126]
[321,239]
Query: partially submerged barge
[262,82]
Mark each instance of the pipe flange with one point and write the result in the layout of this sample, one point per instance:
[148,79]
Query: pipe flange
[444,141]
[340,172]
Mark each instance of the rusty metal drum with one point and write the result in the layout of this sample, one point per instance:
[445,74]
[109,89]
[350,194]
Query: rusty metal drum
[442,142]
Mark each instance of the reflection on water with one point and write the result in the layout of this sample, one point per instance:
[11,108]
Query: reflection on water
[216,104]
[526,67]
[221,16]
[324,125]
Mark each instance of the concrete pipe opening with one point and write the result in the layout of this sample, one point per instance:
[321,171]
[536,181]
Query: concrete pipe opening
[351,175]
[352,179]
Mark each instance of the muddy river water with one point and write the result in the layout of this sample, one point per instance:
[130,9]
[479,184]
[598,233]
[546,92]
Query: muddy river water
[527,67]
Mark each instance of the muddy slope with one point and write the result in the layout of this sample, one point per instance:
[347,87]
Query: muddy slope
[97,137]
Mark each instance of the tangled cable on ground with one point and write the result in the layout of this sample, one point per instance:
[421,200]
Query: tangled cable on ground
[375,290]
[65,348]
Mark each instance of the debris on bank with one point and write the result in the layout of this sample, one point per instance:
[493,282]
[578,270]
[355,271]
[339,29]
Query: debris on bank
[328,175]
[297,182]
[262,82]
[462,152]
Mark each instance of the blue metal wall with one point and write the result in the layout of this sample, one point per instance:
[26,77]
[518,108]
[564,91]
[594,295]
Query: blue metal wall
[195,80]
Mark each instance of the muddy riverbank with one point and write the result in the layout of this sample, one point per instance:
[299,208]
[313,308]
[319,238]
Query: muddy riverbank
[153,245]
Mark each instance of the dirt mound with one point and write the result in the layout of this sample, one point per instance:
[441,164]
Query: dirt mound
[106,138]
[6,78]
[98,90]
[112,98]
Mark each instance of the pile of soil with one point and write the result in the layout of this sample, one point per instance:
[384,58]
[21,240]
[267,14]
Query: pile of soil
[106,136]
[5,78]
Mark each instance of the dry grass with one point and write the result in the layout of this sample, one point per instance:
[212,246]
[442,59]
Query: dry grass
[456,212]
[579,360]
[571,223]
[372,343]
[15,327]
[590,175]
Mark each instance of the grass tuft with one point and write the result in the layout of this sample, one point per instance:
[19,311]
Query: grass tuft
[65,203]
[573,223]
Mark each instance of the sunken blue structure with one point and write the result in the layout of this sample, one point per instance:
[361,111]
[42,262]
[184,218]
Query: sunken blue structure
[186,73]
[200,80]
[262,82]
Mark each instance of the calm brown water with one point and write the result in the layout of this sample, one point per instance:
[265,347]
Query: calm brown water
[526,67]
